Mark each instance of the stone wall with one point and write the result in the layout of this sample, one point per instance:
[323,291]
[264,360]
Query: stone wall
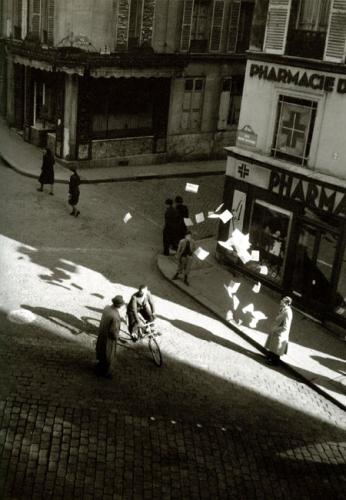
[126,146]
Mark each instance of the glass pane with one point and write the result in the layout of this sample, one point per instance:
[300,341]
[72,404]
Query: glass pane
[188,84]
[293,129]
[302,275]
[269,234]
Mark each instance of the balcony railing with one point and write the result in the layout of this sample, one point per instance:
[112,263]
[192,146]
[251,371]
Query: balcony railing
[303,43]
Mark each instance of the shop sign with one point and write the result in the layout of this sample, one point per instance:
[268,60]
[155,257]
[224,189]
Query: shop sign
[248,172]
[311,193]
[315,81]
[246,137]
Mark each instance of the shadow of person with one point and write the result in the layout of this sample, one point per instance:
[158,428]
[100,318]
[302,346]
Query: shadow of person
[66,320]
[333,364]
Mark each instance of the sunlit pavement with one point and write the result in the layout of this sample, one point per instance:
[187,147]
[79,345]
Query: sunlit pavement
[213,422]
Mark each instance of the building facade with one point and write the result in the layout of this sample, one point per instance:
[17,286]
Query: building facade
[125,81]
[286,175]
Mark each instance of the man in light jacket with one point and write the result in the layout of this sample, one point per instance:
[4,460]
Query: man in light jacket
[277,341]
[184,255]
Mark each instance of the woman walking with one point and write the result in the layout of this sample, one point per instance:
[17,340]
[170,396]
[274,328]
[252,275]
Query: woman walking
[277,341]
[47,171]
[73,190]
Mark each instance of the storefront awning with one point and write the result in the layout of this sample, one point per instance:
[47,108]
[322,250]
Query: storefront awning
[32,63]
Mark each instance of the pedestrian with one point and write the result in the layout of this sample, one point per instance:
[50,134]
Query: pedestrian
[73,190]
[184,255]
[107,339]
[183,212]
[47,171]
[171,227]
[141,309]
[277,341]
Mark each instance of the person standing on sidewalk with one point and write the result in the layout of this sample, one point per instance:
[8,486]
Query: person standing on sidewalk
[107,339]
[183,212]
[73,190]
[277,341]
[171,227]
[47,171]
[184,254]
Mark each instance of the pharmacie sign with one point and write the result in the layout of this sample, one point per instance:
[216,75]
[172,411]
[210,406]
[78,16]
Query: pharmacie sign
[311,193]
[315,81]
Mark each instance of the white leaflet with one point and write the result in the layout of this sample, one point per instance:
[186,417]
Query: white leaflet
[201,254]
[192,188]
[127,217]
[199,217]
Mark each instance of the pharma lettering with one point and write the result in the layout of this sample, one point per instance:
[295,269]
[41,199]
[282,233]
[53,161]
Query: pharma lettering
[315,81]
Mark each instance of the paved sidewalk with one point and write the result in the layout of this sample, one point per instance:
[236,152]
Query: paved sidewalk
[26,159]
[314,352]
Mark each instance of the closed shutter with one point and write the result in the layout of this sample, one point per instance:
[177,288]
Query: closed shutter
[216,26]
[277,26]
[122,28]
[36,18]
[186,25]
[336,35]
[225,99]
[234,16]
[147,21]
[50,22]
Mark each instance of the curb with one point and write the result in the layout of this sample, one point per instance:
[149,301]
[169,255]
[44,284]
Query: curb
[205,303]
[141,177]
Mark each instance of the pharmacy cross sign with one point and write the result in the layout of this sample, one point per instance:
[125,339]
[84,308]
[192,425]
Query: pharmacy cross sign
[293,129]
[243,170]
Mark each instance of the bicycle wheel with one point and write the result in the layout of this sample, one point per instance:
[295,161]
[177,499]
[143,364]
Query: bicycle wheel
[155,351]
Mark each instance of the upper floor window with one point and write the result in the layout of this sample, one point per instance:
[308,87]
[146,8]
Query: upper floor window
[200,26]
[308,28]
[134,23]
[192,104]
[230,102]
[39,19]
[294,129]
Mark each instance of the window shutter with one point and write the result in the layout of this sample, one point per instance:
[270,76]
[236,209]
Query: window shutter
[50,21]
[225,99]
[234,16]
[186,25]
[122,29]
[147,21]
[336,35]
[36,18]
[216,25]
[277,26]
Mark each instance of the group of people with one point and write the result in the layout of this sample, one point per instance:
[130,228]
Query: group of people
[47,177]
[140,310]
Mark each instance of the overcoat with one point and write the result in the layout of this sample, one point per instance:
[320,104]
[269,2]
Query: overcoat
[277,341]
[108,336]
[47,171]
[73,189]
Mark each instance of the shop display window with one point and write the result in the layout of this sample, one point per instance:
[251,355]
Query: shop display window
[269,233]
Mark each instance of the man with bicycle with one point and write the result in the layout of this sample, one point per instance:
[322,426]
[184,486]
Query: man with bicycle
[140,310]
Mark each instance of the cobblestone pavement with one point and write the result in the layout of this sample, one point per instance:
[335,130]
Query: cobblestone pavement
[213,422]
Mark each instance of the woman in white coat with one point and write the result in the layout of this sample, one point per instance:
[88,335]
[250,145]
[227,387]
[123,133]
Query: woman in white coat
[277,341]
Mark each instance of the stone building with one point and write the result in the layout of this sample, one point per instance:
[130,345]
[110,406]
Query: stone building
[125,81]
[286,175]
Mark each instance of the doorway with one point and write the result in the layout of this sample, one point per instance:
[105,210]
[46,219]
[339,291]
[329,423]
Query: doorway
[312,274]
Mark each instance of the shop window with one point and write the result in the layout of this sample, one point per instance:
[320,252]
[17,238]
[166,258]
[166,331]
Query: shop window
[230,102]
[135,22]
[192,104]
[294,129]
[269,233]
[340,298]
[308,28]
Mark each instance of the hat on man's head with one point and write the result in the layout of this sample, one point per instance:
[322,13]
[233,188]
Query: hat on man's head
[118,301]
[286,300]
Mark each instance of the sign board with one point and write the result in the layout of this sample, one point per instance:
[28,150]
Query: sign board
[246,137]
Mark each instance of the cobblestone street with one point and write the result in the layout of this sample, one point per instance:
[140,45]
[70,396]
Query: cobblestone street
[213,422]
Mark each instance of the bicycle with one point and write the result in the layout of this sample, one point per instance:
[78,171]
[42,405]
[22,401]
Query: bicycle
[148,331]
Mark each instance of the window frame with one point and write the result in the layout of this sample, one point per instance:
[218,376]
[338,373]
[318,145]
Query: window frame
[189,112]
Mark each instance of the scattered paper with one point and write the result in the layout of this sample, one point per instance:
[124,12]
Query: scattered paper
[192,188]
[340,310]
[263,270]
[188,222]
[244,256]
[248,308]
[219,207]
[236,302]
[127,217]
[213,215]
[255,255]
[257,287]
[253,323]
[201,254]
[199,218]
[229,315]
[225,216]
[226,244]
[258,315]
[233,286]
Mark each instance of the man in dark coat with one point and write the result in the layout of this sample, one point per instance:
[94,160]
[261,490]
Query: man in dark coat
[171,227]
[107,339]
[73,190]
[47,171]
[183,212]
[140,310]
